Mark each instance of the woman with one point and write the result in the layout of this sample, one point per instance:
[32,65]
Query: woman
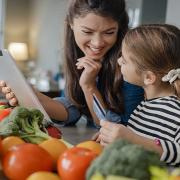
[94,32]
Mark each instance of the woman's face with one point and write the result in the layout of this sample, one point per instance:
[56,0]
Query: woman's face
[95,34]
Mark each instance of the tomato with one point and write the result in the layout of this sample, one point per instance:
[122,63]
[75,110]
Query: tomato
[73,163]
[24,159]
[4,113]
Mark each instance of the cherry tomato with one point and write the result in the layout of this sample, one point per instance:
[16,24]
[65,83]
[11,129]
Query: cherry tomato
[24,159]
[73,163]
[4,113]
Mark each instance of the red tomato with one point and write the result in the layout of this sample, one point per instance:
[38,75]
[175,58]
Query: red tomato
[73,163]
[4,113]
[25,159]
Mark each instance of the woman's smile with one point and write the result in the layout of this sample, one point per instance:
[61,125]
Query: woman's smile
[95,34]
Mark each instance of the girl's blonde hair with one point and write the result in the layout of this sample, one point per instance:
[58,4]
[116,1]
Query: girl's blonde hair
[155,47]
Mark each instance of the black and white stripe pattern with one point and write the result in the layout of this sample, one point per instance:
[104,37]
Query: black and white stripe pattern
[160,118]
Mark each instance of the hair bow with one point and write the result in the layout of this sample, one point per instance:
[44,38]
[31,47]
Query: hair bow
[171,76]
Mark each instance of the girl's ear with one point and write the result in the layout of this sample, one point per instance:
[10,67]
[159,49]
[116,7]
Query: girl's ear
[149,78]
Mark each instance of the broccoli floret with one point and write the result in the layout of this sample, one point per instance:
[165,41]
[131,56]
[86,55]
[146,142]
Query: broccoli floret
[7,127]
[26,124]
[124,159]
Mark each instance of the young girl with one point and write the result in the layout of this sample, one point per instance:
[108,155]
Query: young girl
[151,59]
[94,33]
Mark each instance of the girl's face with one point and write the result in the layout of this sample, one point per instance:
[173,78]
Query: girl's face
[129,69]
[95,34]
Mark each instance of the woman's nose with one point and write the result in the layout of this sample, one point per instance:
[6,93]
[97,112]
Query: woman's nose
[97,41]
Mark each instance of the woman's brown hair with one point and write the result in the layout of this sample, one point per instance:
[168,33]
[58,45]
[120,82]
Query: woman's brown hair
[109,78]
[155,47]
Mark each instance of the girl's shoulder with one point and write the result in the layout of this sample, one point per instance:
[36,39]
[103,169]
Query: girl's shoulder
[128,87]
[167,102]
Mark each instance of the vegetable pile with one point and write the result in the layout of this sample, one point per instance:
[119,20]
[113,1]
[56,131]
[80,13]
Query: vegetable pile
[124,159]
[25,123]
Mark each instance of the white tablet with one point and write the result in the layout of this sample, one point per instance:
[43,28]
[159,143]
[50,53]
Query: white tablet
[10,73]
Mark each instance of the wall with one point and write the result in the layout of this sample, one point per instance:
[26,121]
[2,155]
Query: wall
[47,32]
[173,14]
[17,21]
[2,14]
[40,23]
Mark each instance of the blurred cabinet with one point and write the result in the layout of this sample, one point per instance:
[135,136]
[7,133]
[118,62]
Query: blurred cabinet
[146,11]
[153,11]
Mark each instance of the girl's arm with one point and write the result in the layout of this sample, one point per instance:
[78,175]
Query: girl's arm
[110,131]
[169,151]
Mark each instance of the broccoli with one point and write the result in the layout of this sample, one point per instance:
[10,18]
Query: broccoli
[124,159]
[24,123]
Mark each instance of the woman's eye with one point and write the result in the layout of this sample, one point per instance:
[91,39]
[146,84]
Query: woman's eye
[87,32]
[109,33]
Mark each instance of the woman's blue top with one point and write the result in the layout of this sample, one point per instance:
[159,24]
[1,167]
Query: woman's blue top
[133,95]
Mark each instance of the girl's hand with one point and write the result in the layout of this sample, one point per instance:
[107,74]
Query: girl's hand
[10,96]
[109,132]
[90,72]
[96,137]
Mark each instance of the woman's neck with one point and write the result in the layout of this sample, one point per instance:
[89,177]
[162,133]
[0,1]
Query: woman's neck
[154,91]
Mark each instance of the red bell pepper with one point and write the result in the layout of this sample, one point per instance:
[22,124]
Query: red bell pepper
[4,113]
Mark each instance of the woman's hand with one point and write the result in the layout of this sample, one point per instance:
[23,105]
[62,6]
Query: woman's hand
[10,96]
[110,131]
[90,72]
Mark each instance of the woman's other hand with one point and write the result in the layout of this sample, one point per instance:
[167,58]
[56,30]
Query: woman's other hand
[10,96]
[110,131]
[90,72]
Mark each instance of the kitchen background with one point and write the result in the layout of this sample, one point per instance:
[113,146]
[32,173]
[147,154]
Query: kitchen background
[33,31]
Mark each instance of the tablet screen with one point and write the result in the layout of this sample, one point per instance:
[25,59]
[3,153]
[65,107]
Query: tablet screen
[10,73]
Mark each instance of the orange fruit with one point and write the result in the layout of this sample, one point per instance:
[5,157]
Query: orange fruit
[9,142]
[92,145]
[43,175]
[55,147]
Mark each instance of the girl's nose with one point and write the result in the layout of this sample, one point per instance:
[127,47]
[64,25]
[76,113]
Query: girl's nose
[120,61]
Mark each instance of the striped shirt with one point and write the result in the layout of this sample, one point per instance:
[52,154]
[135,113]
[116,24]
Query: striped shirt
[160,118]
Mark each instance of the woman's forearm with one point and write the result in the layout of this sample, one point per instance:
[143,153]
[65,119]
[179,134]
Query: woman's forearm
[55,109]
[88,92]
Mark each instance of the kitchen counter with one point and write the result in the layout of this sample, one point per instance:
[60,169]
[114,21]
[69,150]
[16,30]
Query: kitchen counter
[73,135]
